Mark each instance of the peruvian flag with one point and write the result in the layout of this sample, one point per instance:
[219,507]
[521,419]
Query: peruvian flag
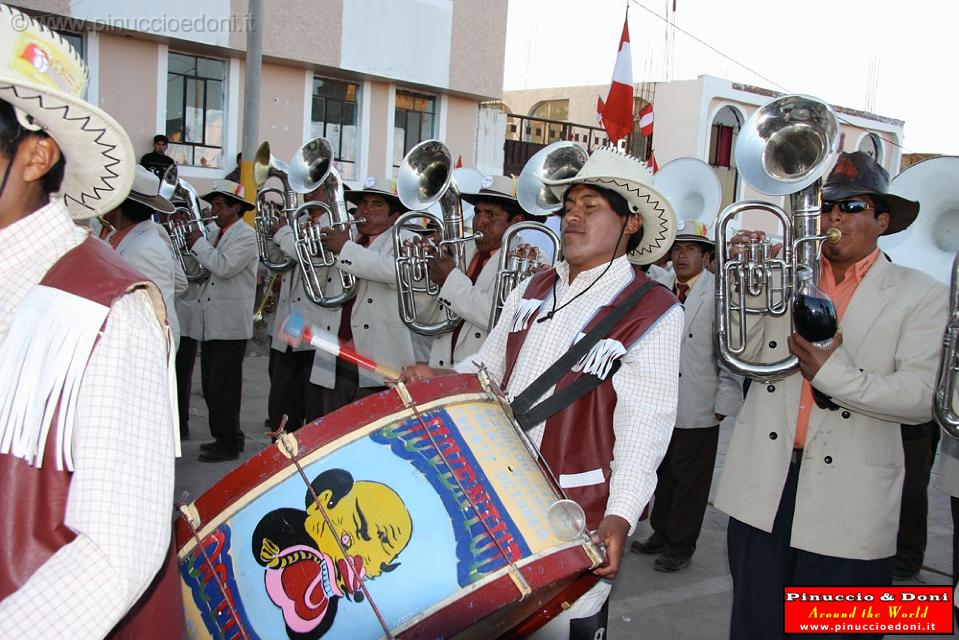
[616,114]
[652,162]
[646,120]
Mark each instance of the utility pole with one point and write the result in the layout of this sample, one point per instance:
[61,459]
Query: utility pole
[251,107]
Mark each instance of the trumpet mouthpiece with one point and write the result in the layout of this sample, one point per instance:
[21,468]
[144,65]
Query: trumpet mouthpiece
[833,235]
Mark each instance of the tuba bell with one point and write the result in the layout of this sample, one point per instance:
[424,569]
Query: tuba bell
[785,147]
[426,177]
[557,161]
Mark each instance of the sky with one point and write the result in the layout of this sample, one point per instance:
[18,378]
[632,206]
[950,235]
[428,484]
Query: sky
[817,47]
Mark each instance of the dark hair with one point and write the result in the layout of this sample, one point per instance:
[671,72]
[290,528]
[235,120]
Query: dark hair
[880,203]
[13,133]
[395,205]
[160,138]
[338,481]
[136,211]
[618,204]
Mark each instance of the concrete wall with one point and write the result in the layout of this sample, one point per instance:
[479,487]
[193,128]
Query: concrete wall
[135,78]
[460,136]
[381,130]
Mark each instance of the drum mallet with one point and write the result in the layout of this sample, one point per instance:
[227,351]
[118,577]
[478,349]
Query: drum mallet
[296,331]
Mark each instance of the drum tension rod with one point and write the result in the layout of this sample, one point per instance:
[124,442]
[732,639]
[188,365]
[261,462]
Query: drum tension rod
[192,518]
[288,442]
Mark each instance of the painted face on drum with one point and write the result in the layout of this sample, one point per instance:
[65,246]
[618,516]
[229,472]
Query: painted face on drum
[372,522]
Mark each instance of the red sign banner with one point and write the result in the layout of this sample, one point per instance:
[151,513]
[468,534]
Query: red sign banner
[875,610]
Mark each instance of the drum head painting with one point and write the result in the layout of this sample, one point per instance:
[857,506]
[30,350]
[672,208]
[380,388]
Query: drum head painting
[424,520]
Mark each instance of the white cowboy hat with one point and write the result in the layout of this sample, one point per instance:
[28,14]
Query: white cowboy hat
[500,189]
[44,79]
[146,190]
[231,191]
[374,186]
[611,169]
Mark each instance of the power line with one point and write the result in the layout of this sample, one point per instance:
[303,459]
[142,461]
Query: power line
[745,66]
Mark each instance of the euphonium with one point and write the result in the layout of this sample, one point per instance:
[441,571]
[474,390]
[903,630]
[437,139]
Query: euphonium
[516,266]
[310,168]
[426,177]
[944,409]
[266,166]
[185,220]
[784,148]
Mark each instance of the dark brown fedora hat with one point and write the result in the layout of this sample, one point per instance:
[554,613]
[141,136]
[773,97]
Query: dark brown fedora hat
[857,174]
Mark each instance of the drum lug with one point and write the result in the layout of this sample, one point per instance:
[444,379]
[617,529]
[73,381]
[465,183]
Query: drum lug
[191,514]
[596,553]
[519,581]
[404,393]
[487,383]
[288,445]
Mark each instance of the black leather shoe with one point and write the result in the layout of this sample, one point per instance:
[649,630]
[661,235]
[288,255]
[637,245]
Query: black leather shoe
[671,564]
[900,574]
[209,446]
[218,455]
[650,546]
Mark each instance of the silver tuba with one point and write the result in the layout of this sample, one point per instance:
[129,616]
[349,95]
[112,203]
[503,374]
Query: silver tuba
[426,177]
[516,266]
[557,161]
[785,147]
[268,212]
[312,167]
[943,408]
[186,218]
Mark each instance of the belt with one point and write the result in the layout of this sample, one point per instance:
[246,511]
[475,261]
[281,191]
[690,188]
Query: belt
[796,456]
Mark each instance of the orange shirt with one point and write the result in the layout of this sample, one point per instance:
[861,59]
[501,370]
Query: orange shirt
[840,294]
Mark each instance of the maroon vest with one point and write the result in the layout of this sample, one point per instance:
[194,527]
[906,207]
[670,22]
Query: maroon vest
[35,499]
[580,437]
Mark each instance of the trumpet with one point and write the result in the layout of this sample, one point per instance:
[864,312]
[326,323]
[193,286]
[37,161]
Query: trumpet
[426,177]
[943,407]
[784,148]
[271,294]
[516,266]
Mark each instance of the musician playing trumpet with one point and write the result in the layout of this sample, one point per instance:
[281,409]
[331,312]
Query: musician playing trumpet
[470,295]
[813,486]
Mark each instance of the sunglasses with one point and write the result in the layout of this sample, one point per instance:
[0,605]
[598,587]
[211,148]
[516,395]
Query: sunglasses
[846,206]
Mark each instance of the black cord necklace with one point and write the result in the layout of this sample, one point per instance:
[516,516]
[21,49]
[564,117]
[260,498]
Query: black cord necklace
[555,310]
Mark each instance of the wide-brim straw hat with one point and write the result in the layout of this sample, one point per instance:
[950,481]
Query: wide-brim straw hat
[146,190]
[374,186]
[44,79]
[231,191]
[610,168]
[502,191]
[695,231]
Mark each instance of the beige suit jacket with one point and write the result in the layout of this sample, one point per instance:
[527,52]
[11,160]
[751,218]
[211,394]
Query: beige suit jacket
[225,309]
[850,481]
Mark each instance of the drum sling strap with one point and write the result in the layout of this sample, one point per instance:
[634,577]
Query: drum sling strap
[529,416]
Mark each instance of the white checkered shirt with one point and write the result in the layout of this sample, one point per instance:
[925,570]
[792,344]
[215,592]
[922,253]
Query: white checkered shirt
[646,383]
[120,499]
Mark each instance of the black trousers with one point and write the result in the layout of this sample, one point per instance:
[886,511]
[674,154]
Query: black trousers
[347,390]
[682,491]
[919,444]
[763,563]
[289,387]
[221,372]
[185,359]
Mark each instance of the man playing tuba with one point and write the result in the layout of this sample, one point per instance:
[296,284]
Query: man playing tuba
[813,486]
[470,295]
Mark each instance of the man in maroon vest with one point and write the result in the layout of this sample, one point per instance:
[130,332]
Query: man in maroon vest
[605,446]
[87,428]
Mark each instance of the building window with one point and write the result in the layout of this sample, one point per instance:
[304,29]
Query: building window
[414,122]
[334,116]
[76,41]
[551,110]
[196,94]
[872,146]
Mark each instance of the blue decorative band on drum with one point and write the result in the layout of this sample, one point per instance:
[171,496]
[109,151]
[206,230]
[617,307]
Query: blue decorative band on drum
[477,553]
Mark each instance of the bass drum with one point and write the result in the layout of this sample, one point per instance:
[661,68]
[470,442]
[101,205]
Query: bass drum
[437,521]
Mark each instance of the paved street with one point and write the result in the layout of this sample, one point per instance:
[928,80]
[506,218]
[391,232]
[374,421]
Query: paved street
[693,603]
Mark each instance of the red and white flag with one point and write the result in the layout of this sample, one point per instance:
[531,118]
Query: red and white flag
[646,120]
[616,114]
[652,162]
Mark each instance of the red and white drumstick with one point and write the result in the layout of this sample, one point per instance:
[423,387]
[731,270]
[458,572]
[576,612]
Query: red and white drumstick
[296,331]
